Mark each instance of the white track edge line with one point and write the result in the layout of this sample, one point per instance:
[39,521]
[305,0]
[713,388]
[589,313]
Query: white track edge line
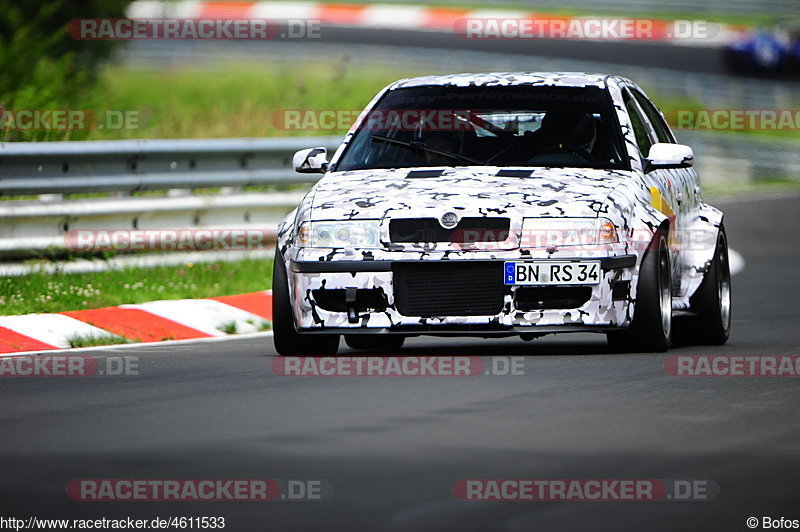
[78,350]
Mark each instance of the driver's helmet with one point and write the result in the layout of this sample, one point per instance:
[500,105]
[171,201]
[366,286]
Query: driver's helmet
[567,128]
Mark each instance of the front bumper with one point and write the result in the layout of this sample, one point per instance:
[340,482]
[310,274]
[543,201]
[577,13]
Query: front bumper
[606,306]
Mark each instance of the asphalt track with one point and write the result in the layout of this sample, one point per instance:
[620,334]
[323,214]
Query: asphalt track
[394,447]
[709,60]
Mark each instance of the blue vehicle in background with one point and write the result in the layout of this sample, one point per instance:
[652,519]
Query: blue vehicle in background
[773,50]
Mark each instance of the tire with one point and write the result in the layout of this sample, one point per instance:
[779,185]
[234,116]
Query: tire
[651,328]
[711,303]
[288,342]
[374,341]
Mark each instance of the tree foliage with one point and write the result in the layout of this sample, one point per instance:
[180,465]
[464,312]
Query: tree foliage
[42,66]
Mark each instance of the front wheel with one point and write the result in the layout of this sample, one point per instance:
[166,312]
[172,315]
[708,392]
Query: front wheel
[288,341]
[651,328]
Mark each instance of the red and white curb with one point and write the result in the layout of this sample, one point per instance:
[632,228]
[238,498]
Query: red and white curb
[155,321]
[374,16]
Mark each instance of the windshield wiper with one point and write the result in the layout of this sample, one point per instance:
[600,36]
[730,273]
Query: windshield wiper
[421,146]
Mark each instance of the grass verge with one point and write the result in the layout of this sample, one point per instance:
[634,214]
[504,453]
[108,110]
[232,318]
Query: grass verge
[249,99]
[761,187]
[45,292]
[245,100]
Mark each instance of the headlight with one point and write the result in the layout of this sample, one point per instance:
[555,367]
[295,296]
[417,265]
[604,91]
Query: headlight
[340,234]
[544,232]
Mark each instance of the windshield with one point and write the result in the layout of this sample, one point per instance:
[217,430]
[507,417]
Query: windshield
[522,125]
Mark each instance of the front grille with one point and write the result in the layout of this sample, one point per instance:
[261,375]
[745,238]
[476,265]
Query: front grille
[468,230]
[448,288]
[551,297]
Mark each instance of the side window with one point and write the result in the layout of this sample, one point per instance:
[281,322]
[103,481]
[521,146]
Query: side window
[661,128]
[639,129]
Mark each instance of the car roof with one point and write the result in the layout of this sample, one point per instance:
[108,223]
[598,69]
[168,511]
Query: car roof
[557,79]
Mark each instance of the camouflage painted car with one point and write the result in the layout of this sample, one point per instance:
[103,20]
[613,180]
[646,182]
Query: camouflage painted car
[502,204]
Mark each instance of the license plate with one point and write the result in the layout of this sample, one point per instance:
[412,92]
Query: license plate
[551,273]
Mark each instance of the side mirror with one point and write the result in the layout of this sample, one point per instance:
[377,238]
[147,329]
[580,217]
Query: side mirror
[311,161]
[664,155]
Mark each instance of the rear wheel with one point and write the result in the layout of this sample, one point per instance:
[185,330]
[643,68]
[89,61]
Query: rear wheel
[287,340]
[712,302]
[374,341]
[651,328]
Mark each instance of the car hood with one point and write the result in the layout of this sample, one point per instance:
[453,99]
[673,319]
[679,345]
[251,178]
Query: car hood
[419,192]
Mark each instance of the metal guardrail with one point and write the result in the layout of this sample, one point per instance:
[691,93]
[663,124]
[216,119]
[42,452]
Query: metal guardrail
[54,169]
[138,165]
